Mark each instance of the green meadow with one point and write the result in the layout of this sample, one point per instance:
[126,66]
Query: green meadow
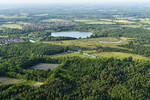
[12,26]
[6,80]
[94,22]
[120,55]
[92,42]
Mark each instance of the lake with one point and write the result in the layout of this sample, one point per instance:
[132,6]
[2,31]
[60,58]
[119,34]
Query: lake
[75,34]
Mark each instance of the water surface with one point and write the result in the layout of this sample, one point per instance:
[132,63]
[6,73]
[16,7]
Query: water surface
[76,34]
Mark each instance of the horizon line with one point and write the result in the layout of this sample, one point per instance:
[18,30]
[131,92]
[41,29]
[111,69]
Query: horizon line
[80,2]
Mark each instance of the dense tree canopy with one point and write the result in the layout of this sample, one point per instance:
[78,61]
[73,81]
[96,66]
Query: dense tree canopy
[79,78]
[76,77]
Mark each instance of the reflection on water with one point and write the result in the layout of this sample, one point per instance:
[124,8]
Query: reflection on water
[75,34]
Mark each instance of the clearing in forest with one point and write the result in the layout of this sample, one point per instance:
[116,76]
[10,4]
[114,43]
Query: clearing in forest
[12,26]
[120,55]
[92,42]
[44,66]
[6,80]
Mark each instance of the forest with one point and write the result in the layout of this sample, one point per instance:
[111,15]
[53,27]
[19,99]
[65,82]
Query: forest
[86,69]
[110,79]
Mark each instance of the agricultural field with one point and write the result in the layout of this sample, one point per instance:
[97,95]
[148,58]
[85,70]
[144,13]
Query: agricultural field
[124,21]
[12,26]
[120,55]
[71,55]
[146,21]
[3,36]
[53,20]
[128,21]
[134,20]
[132,26]
[13,16]
[82,20]
[94,22]
[99,22]
[105,21]
[22,23]
[94,42]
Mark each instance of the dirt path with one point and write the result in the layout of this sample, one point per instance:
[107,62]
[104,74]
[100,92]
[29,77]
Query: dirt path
[37,84]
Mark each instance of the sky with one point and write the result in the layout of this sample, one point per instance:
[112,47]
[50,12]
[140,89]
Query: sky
[65,1]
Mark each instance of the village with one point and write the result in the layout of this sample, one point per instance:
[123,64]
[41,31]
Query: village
[4,41]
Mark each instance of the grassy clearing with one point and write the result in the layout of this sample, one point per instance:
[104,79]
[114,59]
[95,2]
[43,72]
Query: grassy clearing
[44,66]
[94,22]
[124,21]
[70,55]
[120,55]
[12,26]
[132,26]
[22,23]
[6,80]
[99,22]
[140,20]
[90,51]
[126,18]
[108,20]
[53,20]
[146,22]
[37,84]
[83,20]
[3,36]
[105,21]
[91,42]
